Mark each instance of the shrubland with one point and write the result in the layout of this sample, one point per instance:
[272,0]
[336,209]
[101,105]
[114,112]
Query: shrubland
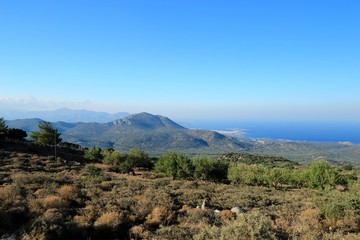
[108,194]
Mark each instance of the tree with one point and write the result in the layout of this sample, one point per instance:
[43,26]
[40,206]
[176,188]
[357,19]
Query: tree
[46,134]
[3,128]
[139,158]
[93,154]
[16,134]
[207,168]
[322,174]
[175,165]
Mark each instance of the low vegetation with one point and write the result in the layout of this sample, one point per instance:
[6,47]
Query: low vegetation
[107,194]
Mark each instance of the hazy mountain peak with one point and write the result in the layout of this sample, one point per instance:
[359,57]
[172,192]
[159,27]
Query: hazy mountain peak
[148,121]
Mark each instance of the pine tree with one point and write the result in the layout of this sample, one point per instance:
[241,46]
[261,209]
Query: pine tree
[46,134]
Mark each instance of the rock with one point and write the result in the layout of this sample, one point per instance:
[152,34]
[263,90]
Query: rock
[203,207]
[237,210]
[216,211]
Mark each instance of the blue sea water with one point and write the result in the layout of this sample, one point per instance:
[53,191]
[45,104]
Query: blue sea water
[306,131]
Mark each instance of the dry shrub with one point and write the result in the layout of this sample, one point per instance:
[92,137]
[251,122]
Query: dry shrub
[39,205]
[351,220]
[197,217]
[109,220]
[26,178]
[68,192]
[83,221]
[332,223]
[309,225]
[159,215]
[248,226]
[9,194]
[340,236]
[148,201]
[304,224]
[138,232]
[227,215]
[41,193]
[52,216]
[52,201]
[184,208]
[106,185]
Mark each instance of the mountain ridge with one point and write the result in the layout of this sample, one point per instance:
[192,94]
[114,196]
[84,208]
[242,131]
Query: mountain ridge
[147,120]
[154,133]
[158,134]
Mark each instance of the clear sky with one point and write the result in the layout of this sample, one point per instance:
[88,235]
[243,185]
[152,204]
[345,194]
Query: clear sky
[189,59]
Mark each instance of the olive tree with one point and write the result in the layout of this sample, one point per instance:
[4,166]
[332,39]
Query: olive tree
[175,165]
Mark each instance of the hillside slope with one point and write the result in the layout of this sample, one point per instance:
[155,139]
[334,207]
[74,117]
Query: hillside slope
[153,133]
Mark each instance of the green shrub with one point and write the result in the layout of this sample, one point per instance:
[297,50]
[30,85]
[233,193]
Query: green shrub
[247,174]
[321,174]
[175,165]
[93,154]
[252,226]
[276,176]
[207,168]
[333,210]
[93,171]
[139,158]
[114,157]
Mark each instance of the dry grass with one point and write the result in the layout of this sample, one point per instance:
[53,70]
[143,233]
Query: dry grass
[9,194]
[159,215]
[227,215]
[46,202]
[39,205]
[109,220]
[68,192]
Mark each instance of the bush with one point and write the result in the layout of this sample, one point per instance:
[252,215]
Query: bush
[175,165]
[109,220]
[93,154]
[276,176]
[209,169]
[159,215]
[92,171]
[252,226]
[321,174]
[247,174]
[139,158]
[113,157]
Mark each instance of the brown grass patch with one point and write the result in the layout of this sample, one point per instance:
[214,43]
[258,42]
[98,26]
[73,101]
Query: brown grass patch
[158,215]
[39,205]
[68,192]
[109,220]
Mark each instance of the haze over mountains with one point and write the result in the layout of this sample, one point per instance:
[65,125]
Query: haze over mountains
[66,115]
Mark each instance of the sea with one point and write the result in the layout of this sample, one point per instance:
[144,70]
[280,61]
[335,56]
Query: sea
[302,131]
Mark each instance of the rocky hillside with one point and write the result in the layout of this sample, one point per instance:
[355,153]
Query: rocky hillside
[153,133]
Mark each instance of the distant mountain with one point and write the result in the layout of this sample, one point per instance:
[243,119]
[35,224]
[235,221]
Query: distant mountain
[153,133]
[157,134]
[66,115]
[147,121]
[27,125]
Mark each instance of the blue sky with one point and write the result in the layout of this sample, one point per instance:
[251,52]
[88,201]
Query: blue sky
[238,60]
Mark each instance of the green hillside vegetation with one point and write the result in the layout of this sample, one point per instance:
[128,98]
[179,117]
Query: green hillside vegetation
[158,135]
[339,153]
[110,194]
[248,158]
